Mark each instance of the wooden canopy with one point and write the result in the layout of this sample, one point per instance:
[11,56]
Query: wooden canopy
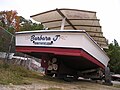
[73,19]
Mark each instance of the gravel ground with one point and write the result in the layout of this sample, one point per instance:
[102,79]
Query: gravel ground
[47,85]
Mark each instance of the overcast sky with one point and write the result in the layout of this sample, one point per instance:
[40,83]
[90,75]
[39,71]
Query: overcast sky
[108,11]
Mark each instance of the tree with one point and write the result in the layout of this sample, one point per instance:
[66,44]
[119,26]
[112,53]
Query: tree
[28,25]
[114,55]
[9,22]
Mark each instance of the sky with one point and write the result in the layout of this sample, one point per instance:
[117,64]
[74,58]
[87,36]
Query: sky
[108,11]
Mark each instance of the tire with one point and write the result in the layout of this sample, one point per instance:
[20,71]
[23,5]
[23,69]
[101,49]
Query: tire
[107,76]
[48,73]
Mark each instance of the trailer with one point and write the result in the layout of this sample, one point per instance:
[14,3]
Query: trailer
[71,47]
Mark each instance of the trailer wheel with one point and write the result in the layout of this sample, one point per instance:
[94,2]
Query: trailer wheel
[48,73]
[52,68]
[107,76]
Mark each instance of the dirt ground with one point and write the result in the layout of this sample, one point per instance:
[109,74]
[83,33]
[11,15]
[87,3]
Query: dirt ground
[61,85]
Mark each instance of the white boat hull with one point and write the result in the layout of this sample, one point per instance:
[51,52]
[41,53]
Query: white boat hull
[57,41]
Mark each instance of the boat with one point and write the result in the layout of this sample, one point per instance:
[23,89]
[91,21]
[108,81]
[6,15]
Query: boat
[72,45]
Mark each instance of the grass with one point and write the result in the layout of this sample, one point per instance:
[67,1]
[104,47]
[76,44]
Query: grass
[51,88]
[16,74]
[117,86]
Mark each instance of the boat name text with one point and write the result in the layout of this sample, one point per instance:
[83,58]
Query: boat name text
[44,40]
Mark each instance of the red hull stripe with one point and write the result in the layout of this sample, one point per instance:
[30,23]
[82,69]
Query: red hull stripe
[60,51]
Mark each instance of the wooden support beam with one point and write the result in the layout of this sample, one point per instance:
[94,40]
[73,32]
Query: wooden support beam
[66,18]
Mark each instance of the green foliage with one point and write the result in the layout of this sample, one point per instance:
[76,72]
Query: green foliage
[28,25]
[114,55]
[5,36]
[1,24]
[6,29]
[4,40]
